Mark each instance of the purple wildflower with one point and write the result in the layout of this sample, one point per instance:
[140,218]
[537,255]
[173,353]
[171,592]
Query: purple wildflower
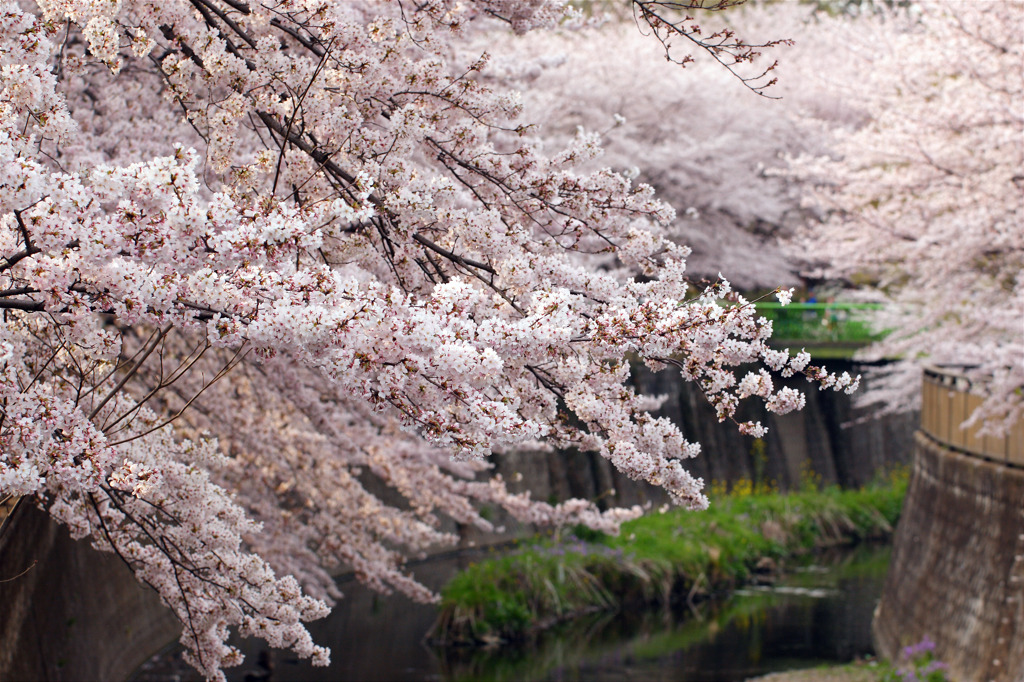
[926,645]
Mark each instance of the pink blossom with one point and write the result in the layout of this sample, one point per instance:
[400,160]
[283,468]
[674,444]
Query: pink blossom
[253,259]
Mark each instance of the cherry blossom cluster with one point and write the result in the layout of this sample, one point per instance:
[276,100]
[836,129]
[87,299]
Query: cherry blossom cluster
[708,147]
[923,197]
[263,267]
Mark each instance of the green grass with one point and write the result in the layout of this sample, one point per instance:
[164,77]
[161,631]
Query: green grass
[659,558]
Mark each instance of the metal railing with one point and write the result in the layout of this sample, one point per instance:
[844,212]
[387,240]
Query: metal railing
[822,323]
[948,397]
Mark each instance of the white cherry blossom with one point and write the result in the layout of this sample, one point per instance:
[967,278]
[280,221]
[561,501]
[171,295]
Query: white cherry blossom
[259,262]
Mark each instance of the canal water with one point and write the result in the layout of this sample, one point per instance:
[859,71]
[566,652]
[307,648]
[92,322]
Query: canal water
[818,612]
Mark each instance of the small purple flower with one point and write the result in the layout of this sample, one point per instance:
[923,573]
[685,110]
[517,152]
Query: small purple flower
[926,645]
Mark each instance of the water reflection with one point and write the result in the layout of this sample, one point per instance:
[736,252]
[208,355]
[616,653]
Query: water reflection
[819,613]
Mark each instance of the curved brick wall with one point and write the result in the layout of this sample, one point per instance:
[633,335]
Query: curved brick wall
[957,572]
[68,612]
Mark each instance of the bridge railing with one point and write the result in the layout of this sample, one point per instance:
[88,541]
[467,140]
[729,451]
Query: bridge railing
[841,327]
[948,397]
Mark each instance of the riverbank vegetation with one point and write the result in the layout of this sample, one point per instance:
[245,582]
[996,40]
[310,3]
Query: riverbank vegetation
[667,556]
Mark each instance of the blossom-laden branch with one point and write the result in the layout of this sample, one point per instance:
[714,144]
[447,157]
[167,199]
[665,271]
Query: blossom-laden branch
[370,266]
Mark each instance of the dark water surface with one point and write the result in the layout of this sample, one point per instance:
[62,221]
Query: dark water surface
[819,612]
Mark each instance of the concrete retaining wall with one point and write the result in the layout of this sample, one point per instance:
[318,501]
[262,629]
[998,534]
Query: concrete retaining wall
[957,572]
[68,612]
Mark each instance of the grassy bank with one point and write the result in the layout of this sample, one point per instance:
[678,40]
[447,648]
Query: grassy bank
[637,643]
[662,557]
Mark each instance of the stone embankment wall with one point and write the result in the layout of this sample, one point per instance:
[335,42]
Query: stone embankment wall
[68,612]
[957,572]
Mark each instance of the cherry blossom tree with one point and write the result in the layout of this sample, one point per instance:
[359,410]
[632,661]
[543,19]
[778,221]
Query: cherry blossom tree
[254,257]
[925,196]
[708,147]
